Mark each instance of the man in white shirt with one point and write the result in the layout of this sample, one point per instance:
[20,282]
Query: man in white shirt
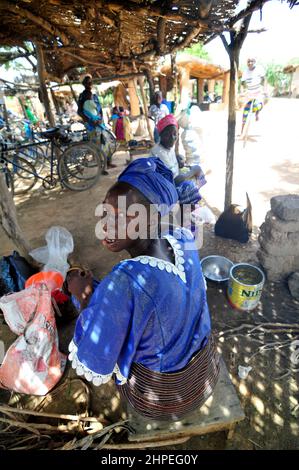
[158,111]
[253,79]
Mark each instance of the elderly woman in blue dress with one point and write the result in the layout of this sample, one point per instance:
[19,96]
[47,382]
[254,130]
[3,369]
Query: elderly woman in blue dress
[147,323]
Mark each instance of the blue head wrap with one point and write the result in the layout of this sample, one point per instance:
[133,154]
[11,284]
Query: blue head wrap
[154,180]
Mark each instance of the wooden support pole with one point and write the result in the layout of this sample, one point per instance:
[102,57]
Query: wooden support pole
[134,101]
[55,101]
[174,73]
[184,87]
[140,81]
[8,220]
[163,85]
[5,113]
[200,85]
[44,92]
[73,93]
[151,84]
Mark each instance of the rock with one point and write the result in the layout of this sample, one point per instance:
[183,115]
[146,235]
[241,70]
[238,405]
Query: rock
[286,207]
[286,246]
[277,267]
[275,223]
[293,283]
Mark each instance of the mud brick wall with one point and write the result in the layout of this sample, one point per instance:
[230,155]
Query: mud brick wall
[279,238]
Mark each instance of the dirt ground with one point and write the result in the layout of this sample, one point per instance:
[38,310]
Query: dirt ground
[270,403]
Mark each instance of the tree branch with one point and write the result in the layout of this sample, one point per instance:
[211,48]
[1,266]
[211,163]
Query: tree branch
[53,30]
[225,43]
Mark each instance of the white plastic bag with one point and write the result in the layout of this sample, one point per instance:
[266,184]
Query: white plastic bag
[203,214]
[54,256]
[243,371]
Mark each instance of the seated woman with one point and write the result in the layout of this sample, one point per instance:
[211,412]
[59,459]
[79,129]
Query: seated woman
[147,323]
[188,180]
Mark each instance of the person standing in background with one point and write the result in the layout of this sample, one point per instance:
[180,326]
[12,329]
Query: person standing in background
[253,79]
[158,111]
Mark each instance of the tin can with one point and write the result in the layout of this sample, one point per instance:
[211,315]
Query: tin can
[245,286]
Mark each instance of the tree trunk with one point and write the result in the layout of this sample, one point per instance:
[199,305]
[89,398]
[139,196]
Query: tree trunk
[231,128]
[9,223]
[44,92]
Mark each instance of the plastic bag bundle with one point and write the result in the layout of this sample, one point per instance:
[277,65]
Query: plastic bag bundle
[33,363]
[54,256]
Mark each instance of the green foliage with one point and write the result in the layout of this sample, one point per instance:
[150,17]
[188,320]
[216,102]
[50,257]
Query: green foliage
[277,79]
[197,50]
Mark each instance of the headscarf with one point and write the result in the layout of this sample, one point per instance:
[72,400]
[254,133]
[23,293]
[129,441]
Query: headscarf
[154,180]
[168,120]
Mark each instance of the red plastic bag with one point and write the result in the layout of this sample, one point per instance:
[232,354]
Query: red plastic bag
[33,363]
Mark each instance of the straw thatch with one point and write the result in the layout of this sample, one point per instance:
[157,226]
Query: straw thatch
[109,37]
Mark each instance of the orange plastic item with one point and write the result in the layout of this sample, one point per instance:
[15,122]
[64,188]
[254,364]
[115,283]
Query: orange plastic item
[52,279]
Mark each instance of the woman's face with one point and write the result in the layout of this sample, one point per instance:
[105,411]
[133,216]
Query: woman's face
[117,224]
[169,136]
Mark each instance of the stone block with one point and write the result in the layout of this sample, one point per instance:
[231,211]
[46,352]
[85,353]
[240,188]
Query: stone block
[293,283]
[286,207]
[275,223]
[286,246]
[278,264]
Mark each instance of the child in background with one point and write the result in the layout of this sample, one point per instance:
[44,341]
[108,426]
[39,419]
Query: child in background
[114,117]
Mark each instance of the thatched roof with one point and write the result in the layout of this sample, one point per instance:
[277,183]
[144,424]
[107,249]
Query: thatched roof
[290,68]
[198,68]
[114,37]
[109,37]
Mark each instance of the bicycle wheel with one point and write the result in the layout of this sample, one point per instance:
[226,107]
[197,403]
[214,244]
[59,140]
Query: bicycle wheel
[36,156]
[80,166]
[23,173]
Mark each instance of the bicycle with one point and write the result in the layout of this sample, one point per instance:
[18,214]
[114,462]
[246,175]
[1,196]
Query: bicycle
[78,168]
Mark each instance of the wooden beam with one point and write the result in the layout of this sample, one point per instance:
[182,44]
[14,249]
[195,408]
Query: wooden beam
[82,59]
[161,27]
[44,24]
[41,75]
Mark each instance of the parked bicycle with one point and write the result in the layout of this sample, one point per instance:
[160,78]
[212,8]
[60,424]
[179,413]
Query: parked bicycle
[77,167]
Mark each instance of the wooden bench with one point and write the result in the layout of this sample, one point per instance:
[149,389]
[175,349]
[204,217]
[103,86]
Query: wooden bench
[220,412]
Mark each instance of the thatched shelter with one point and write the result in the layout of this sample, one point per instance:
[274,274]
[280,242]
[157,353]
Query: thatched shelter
[293,70]
[109,37]
[194,71]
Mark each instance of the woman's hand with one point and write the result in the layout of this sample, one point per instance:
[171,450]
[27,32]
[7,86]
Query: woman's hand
[79,283]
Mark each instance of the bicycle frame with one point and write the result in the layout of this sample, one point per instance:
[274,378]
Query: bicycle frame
[5,150]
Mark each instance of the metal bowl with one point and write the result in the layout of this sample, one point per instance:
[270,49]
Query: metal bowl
[216,268]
